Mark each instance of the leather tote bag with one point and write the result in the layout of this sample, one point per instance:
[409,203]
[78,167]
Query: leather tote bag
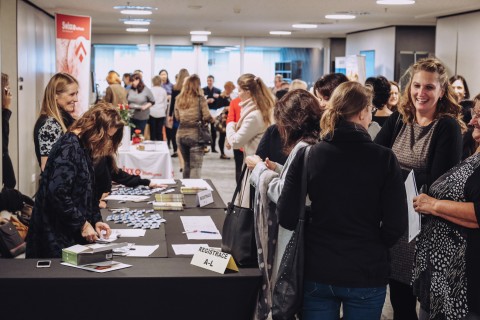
[238,235]
[11,244]
[287,297]
[204,136]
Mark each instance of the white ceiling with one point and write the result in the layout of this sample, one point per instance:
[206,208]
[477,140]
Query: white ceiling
[255,18]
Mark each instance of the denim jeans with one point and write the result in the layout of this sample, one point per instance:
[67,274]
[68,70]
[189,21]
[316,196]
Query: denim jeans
[323,302]
[192,154]
[139,124]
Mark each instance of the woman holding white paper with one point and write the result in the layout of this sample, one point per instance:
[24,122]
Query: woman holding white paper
[425,135]
[450,233]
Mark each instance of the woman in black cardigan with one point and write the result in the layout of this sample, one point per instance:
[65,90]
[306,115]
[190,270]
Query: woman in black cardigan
[358,211]
[425,135]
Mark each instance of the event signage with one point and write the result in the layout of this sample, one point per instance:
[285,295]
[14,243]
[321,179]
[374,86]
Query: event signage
[213,260]
[73,48]
[204,198]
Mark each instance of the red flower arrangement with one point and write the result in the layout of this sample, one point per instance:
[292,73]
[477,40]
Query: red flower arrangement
[126,114]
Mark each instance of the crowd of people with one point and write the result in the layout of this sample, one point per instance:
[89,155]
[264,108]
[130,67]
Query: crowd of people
[364,139]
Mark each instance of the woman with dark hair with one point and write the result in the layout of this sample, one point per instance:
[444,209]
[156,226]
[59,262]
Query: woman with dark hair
[450,233]
[381,95]
[297,116]
[425,135]
[165,82]
[190,108]
[59,99]
[394,96]
[66,211]
[324,86]
[140,99]
[358,211]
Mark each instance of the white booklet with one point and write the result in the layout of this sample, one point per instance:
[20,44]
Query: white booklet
[104,266]
[414,218]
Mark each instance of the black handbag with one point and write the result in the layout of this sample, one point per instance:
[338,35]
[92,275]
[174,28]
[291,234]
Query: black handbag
[238,234]
[204,136]
[11,244]
[287,297]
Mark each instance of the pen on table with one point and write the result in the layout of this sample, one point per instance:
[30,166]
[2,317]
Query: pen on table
[201,231]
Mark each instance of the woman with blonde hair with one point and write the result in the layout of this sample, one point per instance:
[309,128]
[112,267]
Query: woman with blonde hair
[115,93]
[191,108]
[256,115]
[358,211]
[59,99]
[66,211]
[425,135]
[158,112]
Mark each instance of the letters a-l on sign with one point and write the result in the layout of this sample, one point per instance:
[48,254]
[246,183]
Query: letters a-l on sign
[213,260]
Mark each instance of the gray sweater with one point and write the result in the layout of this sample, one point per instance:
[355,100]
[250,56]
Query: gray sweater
[136,100]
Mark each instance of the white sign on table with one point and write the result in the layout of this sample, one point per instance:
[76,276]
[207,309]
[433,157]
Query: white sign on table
[204,198]
[213,260]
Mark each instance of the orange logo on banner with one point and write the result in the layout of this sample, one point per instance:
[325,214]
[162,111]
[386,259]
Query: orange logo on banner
[79,53]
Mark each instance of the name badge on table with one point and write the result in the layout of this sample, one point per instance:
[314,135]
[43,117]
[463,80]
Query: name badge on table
[204,198]
[213,260]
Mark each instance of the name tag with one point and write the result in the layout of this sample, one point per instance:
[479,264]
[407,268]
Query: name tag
[204,198]
[213,260]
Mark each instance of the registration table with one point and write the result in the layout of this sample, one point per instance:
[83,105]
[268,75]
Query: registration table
[154,162]
[163,286]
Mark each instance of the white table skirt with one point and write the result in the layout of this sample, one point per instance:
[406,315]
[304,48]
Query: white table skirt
[155,164]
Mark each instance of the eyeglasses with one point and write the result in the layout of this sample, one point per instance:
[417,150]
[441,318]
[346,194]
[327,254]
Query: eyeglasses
[475,113]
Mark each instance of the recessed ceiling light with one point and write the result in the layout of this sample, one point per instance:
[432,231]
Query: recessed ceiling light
[304,26]
[136,22]
[200,32]
[281,33]
[395,2]
[135,10]
[137,30]
[340,16]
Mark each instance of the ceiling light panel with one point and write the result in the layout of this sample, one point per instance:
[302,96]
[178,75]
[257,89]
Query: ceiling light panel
[280,33]
[340,16]
[304,26]
[395,2]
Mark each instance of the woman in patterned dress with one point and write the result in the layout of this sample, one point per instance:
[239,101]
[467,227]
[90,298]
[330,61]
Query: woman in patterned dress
[59,99]
[66,211]
[425,135]
[446,278]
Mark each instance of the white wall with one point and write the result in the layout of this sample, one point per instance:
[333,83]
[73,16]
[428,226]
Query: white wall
[36,65]
[380,40]
[458,47]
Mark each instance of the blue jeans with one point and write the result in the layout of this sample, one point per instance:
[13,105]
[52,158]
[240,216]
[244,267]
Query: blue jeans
[139,124]
[323,302]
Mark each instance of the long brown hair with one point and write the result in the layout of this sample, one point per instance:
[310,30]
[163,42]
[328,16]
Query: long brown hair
[297,116]
[94,126]
[57,85]
[447,105]
[261,95]
[190,93]
[140,86]
[347,100]
[182,74]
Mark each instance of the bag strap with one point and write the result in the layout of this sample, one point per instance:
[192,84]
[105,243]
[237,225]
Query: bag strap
[303,193]
[237,189]
[200,118]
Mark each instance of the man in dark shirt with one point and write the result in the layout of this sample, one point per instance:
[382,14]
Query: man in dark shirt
[212,94]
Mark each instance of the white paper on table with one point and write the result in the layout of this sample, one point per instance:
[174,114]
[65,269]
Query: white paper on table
[414,218]
[200,223]
[125,197]
[196,183]
[113,236]
[187,249]
[142,251]
[129,233]
[104,266]
[163,181]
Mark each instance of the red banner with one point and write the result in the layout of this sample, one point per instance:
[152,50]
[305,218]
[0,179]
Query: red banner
[73,35]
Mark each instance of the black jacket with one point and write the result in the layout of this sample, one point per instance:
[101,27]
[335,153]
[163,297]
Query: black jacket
[358,208]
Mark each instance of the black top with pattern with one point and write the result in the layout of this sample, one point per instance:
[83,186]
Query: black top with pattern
[64,201]
[442,261]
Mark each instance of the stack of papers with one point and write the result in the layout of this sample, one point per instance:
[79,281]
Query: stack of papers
[200,228]
[104,266]
[193,186]
[176,206]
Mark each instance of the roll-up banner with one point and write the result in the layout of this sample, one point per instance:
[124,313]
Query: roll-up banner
[73,37]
